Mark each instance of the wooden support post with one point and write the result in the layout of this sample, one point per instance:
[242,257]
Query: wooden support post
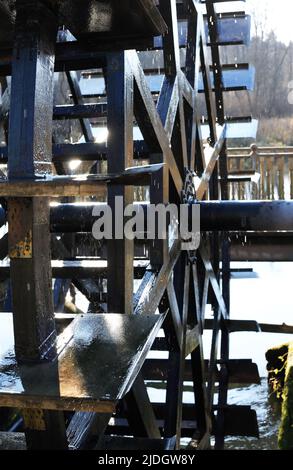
[176,363]
[223,167]
[77,97]
[197,303]
[119,81]
[30,154]
[120,156]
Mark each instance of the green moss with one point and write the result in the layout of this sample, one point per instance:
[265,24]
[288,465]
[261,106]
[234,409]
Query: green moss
[277,360]
[286,429]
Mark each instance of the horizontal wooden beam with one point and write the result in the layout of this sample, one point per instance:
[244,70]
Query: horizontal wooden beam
[239,421]
[78,185]
[242,371]
[79,269]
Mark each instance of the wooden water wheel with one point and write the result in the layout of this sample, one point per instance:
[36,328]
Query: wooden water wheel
[133,67]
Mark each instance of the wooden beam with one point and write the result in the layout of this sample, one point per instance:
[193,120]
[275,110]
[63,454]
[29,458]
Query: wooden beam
[155,119]
[78,185]
[30,153]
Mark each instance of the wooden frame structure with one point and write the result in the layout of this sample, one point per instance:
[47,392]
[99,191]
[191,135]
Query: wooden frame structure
[176,285]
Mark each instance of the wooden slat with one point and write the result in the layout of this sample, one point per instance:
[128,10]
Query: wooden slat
[79,269]
[214,282]
[236,325]
[152,302]
[239,421]
[79,185]
[82,426]
[74,86]
[30,154]
[155,119]
[12,441]
[71,382]
[242,371]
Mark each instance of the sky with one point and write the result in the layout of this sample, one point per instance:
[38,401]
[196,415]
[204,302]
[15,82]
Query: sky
[279,14]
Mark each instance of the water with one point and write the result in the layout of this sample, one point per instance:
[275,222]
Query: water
[268,417]
[264,296]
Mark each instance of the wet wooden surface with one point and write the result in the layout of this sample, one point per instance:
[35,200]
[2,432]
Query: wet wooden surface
[12,441]
[77,185]
[99,357]
[79,269]
[86,17]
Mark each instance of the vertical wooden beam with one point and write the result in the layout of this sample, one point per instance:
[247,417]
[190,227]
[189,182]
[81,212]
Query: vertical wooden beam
[120,156]
[223,166]
[168,10]
[175,382]
[30,154]
[224,374]
[120,88]
[192,66]
[197,363]
[77,97]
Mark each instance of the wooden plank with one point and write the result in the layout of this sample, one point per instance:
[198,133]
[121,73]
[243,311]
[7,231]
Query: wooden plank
[252,325]
[83,425]
[12,441]
[236,325]
[172,66]
[214,282]
[140,413]
[176,318]
[80,269]
[98,151]
[112,20]
[272,328]
[241,371]
[117,344]
[176,358]
[168,103]
[78,99]
[79,185]
[192,66]
[156,294]
[119,83]
[143,291]
[240,421]
[198,368]
[79,111]
[30,154]
[155,119]
[153,15]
